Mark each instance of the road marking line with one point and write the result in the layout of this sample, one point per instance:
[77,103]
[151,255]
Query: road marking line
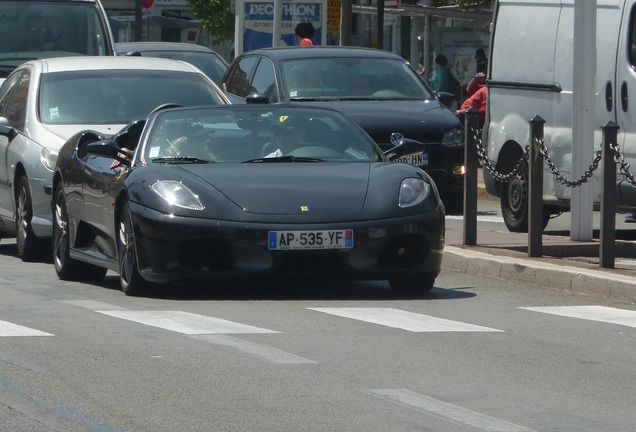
[92,305]
[8,329]
[264,352]
[446,411]
[592,313]
[186,323]
[404,320]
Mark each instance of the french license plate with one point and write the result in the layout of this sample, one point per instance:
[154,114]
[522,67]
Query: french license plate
[418,159]
[302,240]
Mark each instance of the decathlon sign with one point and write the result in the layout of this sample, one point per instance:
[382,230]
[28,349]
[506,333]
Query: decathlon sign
[255,22]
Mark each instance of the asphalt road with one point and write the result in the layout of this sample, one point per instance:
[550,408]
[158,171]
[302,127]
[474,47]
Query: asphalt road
[477,354]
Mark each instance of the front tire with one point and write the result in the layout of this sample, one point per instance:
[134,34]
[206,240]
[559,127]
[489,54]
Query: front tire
[66,267]
[131,282]
[30,248]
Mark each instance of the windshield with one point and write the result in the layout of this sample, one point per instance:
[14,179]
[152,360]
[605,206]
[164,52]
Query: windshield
[352,79]
[31,29]
[118,96]
[257,134]
[209,63]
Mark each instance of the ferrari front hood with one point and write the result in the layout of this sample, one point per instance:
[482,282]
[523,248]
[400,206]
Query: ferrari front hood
[290,188]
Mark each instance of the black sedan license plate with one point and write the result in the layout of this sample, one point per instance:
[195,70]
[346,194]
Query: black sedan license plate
[302,240]
[419,159]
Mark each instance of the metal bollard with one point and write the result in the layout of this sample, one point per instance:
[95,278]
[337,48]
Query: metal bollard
[607,252]
[471,122]
[535,193]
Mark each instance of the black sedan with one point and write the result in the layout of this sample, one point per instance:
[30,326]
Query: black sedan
[240,190]
[377,89]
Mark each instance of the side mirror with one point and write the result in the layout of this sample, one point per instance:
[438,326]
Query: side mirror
[108,149]
[447,99]
[257,98]
[6,129]
[404,147]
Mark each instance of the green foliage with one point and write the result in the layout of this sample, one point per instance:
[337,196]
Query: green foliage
[217,18]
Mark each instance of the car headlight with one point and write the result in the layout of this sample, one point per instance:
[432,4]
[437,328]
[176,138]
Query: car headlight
[413,191]
[177,194]
[48,157]
[454,137]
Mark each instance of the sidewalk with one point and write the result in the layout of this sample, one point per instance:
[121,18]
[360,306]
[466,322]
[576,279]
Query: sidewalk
[566,265]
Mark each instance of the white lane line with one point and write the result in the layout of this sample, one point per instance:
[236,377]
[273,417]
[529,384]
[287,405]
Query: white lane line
[186,323]
[404,320]
[9,329]
[593,313]
[91,304]
[495,219]
[445,411]
[261,351]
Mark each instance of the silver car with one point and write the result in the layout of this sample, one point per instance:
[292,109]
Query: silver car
[44,102]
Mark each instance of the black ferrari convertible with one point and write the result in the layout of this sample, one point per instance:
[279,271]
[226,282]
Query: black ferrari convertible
[244,190]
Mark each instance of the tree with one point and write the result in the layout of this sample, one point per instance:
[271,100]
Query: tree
[217,18]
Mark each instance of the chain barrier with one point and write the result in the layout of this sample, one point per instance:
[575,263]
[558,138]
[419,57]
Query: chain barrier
[488,164]
[560,177]
[619,158]
[623,166]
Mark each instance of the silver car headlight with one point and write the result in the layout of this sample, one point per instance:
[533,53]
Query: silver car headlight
[454,137]
[177,194]
[413,191]
[48,157]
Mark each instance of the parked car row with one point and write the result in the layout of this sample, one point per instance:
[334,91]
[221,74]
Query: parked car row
[144,166]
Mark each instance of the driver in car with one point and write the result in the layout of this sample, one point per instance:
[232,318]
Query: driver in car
[289,134]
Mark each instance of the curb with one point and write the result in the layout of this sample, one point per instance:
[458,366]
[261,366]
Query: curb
[594,283]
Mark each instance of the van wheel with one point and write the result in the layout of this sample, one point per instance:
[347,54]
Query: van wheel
[514,202]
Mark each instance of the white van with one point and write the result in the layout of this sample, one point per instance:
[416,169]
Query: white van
[530,74]
[32,29]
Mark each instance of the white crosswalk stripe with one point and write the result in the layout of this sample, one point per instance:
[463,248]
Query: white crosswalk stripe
[592,313]
[9,329]
[186,323]
[404,320]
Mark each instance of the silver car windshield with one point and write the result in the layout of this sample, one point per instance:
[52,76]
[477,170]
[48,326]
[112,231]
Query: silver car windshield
[118,96]
[352,79]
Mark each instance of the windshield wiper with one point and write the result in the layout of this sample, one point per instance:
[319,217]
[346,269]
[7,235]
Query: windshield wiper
[283,159]
[179,159]
[306,99]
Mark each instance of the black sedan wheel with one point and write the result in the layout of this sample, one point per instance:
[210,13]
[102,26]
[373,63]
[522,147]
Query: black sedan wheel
[30,248]
[131,282]
[412,287]
[66,267]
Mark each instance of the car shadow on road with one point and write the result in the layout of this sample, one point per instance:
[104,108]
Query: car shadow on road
[263,289]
